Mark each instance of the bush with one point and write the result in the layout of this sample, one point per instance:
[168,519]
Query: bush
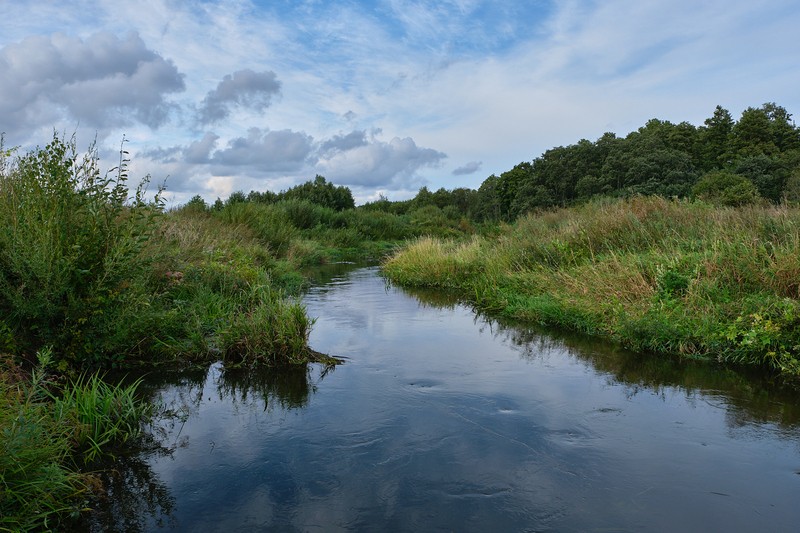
[269,223]
[726,188]
[72,252]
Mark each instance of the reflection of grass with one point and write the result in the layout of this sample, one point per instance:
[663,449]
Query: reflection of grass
[132,494]
[659,275]
[289,387]
[751,395]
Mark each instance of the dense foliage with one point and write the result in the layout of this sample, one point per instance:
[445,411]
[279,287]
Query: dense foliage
[106,279]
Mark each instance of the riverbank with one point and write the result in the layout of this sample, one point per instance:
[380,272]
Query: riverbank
[673,277]
[93,276]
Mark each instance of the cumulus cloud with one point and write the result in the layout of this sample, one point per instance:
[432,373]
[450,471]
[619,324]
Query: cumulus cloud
[469,168]
[199,152]
[266,158]
[266,151]
[343,142]
[374,162]
[243,88]
[104,81]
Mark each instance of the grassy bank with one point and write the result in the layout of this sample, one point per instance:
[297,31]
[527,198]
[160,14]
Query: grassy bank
[665,276]
[95,275]
[52,427]
[104,277]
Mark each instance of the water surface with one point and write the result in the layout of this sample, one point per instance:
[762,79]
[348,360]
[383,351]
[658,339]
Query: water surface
[444,420]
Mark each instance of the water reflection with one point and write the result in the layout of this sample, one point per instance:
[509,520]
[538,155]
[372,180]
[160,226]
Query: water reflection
[135,498]
[133,494]
[753,396]
[447,419]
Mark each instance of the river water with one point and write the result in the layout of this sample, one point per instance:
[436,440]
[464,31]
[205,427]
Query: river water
[444,420]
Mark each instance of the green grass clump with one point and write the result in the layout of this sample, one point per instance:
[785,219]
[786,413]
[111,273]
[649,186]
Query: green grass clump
[654,274]
[48,432]
[99,414]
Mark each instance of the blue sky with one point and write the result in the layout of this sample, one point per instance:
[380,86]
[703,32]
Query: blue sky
[384,96]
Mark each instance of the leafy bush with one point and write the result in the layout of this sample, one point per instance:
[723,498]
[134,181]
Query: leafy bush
[72,253]
[726,188]
[269,223]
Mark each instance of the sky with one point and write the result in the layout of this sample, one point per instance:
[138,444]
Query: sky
[382,96]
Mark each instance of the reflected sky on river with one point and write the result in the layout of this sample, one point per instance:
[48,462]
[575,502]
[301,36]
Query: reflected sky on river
[441,419]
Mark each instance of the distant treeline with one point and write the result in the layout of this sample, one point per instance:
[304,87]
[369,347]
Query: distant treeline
[724,161]
[318,191]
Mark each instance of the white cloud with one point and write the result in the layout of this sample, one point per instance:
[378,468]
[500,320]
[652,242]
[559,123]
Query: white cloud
[378,163]
[480,80]
[102,82]
[244,88]
[265,151]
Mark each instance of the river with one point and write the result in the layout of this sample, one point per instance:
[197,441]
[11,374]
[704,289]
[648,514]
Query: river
[441,419]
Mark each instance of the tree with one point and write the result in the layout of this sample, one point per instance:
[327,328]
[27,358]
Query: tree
[752,135]
[196,204]
[714,139]
[236,197]
[765,173]
[784,133]
[321,192]
[487,205]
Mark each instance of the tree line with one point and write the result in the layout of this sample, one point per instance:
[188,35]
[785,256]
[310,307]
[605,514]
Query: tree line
[317,191]
[724,161]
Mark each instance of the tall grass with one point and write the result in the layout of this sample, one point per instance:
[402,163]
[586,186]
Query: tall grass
[107,278]
[44,425]
[224,295]
[654,274]
[99,414]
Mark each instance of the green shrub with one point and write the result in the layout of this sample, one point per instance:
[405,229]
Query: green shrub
[306,215]
[270,224]
[726,188]
[72,252]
